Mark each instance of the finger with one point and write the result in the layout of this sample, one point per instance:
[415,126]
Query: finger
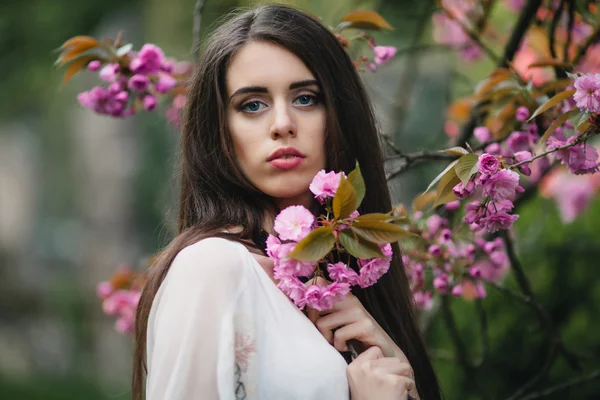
[357,331]
[392,365]
[372,353]
[312,314]
[339,318]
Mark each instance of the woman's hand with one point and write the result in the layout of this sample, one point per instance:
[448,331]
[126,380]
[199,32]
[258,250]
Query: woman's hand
[372,376]
[350,320]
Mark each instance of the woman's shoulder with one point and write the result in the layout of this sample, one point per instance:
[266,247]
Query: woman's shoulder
[210,258]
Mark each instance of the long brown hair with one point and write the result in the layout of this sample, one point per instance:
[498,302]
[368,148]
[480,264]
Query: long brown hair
[215,194]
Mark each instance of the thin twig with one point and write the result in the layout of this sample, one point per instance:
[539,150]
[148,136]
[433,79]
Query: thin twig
[483,326]
[560,73]
[516,264]
[586,45]
[562,386]
[461,350]
[196,28]
[413,158]
[474,36]
[570,24]
[551,357]
[578,140]
[511,48]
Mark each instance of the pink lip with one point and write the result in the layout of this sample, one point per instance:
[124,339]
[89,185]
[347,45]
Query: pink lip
[287,163]
[277,159]
[285,151]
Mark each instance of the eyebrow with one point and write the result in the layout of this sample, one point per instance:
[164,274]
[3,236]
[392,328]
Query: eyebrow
[262,89]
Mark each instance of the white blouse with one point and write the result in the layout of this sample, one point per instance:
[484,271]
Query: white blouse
[219,328]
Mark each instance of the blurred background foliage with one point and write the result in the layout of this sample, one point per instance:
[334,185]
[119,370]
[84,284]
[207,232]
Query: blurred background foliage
[65,223]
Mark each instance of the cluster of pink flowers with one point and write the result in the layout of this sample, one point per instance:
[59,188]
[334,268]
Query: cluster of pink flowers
[136,80]
[293,224]
[499,187]
[121,303]
[459,263]
[573,194]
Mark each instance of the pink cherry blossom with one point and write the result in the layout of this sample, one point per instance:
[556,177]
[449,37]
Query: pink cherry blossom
[109,72]
[522,156]
[148,60]
[441,283]
[581,158]
[294,223]
[138,83]
[341,273]
[462,191]
[423,300]
[104,290]
[294,289]
[372,269]
[285,266]
[522,114]
[435,223]
[453,205]
[487,164]
[149,102]
[94,65]
[332,294]
[572,194]
[482,134]
[325,184]
[165,82]
[519,141]
[587,95]
[501,220]
[383,54]
[502,185]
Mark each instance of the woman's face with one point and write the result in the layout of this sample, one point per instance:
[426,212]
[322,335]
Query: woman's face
[277,121]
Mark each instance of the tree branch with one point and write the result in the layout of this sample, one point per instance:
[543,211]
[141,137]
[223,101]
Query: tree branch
[474,36]
[570,24]
[196,28]
[560,73]
[511,48]
[565,385]
[586,45]
[461,350]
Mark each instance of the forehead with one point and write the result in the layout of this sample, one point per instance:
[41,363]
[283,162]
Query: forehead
[265,64]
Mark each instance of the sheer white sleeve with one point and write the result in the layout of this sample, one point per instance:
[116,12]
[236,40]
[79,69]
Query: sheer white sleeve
[201,331]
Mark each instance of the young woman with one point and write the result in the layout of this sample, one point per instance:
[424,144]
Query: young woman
[275,98]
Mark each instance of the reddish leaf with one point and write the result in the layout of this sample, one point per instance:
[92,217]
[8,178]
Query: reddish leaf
[365,19]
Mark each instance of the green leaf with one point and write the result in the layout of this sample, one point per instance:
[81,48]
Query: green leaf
[124,49]
[379,217]
[444,191]
[552,102]
[357,246]
[315,245]
[344,202]
[466,167]
[358,183]
[450,167]
[583,118]
[559,121]
[380,232]
[456,151]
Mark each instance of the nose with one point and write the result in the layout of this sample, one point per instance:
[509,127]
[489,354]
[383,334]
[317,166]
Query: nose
[283,122]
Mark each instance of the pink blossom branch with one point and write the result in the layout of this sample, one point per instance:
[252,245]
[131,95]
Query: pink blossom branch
[582,138]
[474,36]
[196,28]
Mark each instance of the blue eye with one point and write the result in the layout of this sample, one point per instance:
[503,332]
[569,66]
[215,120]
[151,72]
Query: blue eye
[306,99]
[252,106]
